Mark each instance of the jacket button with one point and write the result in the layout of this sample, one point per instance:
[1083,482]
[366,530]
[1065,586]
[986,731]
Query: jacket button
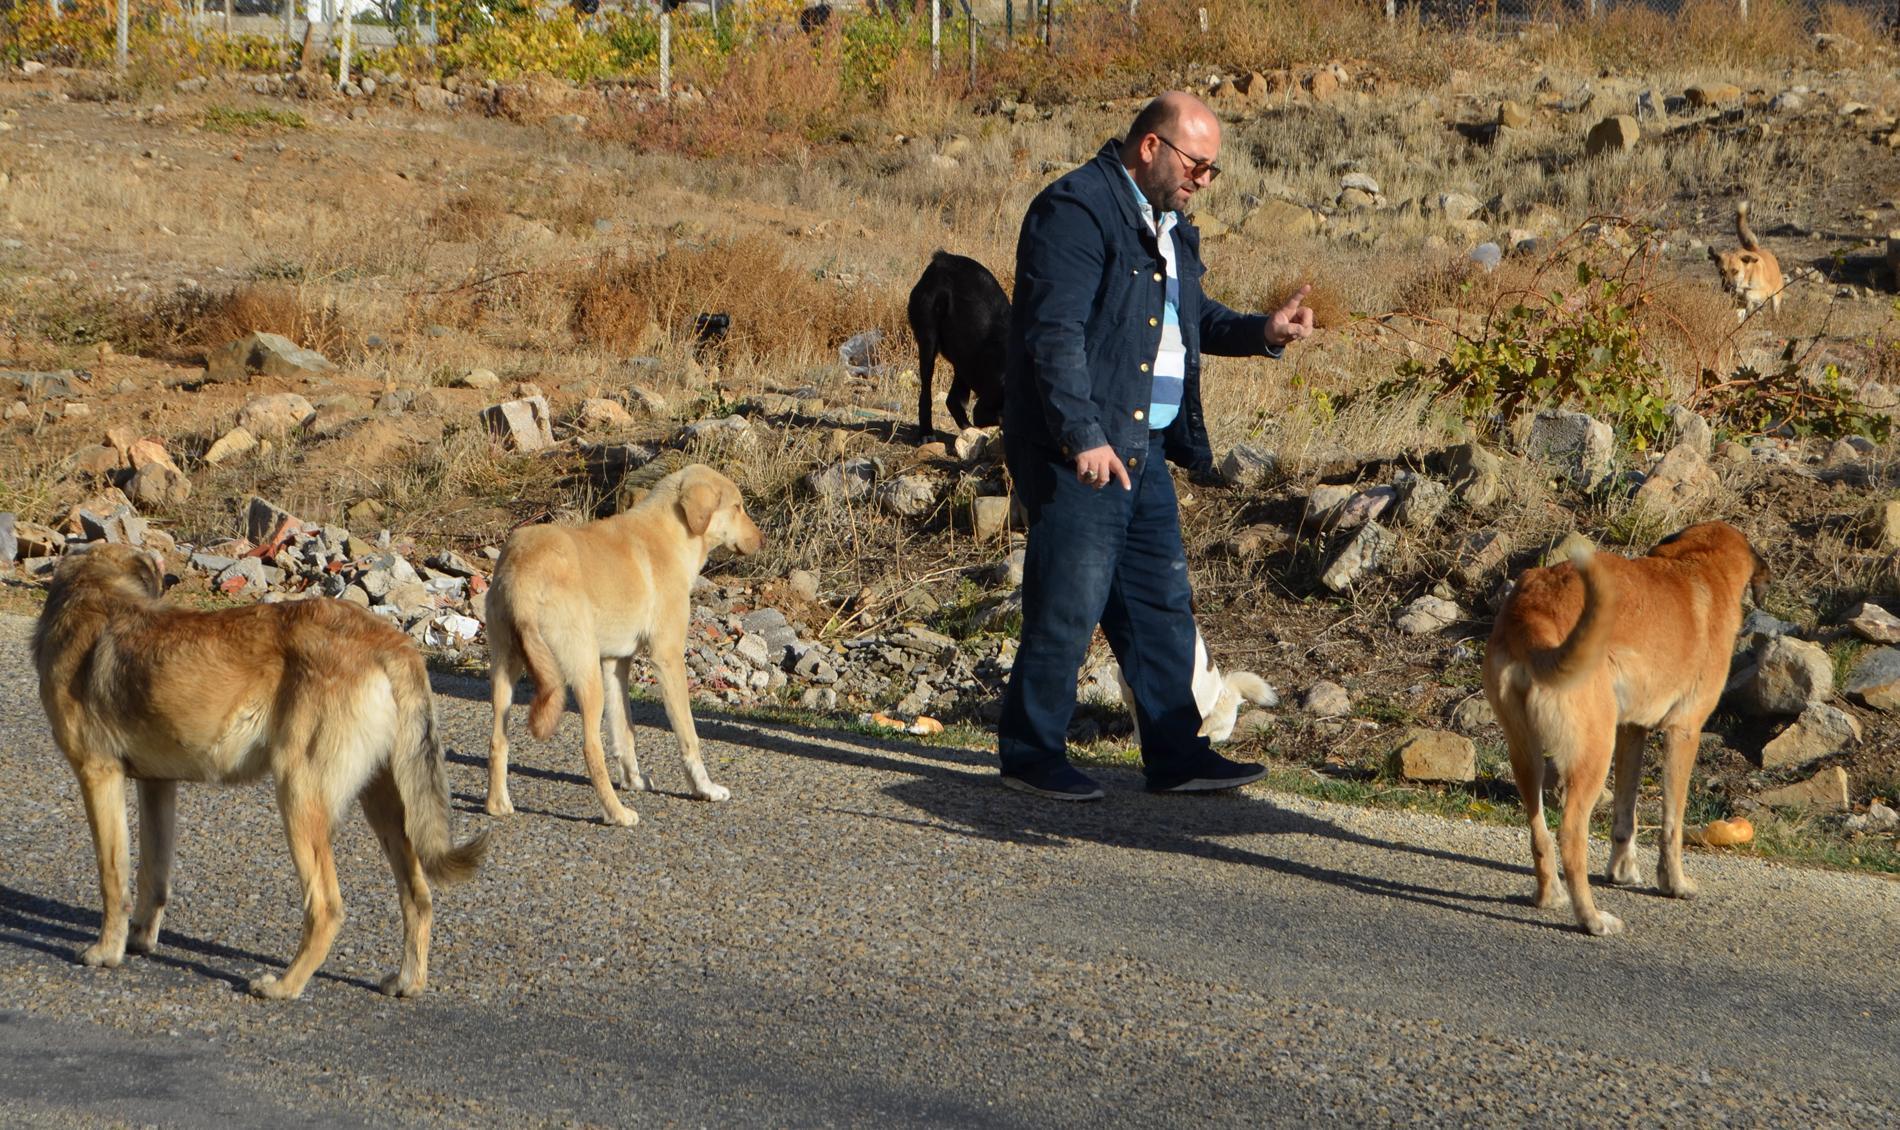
[1157,276]
[1154,321]
[1139,414]
[1133,463]
[1144,366]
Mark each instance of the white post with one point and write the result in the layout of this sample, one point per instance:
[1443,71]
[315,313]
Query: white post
[714,5]
[228,5]
[1132,5]
[1391,10]
[343,49]
[52,8]
[1744,9]
[1203,12]
[936,35]
[122,53]
[289,31]
[666,56]
[969,15]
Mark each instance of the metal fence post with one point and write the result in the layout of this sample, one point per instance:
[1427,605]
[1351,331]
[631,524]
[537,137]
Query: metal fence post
[122,50]
[1048,22]
[288,30]
[1391,10]
[1744,4]
[969,14]
[343,50]
[936,36]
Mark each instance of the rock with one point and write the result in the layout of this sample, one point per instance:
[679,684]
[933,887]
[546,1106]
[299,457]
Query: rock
[599,412]
[1759,627]
[1359,558]
[1421,500]
[1327,700]
[1363,507]
[1455,207]
[1487,255]
[989,515]
[803,583]
[246,574]
[1615,134]
[1875,680]
[1878,526]
[1512,115]
[523,425]
[98,460]
[1281,219]
[1429,614]
[34,540]
[1820,731]
[1690,430]
[158,485]
[1322,84]
[1790,676]
[1712,94]
[644,401]
[723,428]
[1483,553]
[1475,474]
[1360,182]
[477,378]
[1323,504]
[1248,466]
[908,496]
[1434,755]
[973,445]
[1826,791]
[1787,102]
[1578,444]
[1474,713]
[38,386]
[1255,541]
[1683,481]
[275,415]
[849,481]
[267,354]
[264,521]
[1357,200]
[1873,623]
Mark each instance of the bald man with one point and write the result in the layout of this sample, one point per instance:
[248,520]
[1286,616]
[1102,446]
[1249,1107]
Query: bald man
[1107,331]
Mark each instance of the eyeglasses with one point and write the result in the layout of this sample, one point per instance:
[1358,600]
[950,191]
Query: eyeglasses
[1197,167]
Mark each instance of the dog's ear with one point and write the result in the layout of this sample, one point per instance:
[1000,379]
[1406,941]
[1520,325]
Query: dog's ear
[699,501]
[151,570]
[1758,578]
[1749,257]
[1714,255]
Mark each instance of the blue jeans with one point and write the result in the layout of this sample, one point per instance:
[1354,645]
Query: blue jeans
[1111,557]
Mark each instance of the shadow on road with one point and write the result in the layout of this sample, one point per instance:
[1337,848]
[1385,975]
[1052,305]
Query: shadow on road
[34,922]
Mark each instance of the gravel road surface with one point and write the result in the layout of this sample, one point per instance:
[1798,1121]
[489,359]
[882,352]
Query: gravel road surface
[873,933]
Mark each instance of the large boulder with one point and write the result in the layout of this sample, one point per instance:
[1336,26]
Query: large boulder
[1434,755]
[276,414]
[1821,731]
[1875,680]
[1790,676]
[1613,135]
[524,425]
[1576,443]
[271,355]
[1683,481]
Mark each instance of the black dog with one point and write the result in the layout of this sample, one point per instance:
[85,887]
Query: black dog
[959,309]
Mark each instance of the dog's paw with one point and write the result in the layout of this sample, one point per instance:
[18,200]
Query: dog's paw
[102,955]
[142,939]
[715,792]
[500,806]
[1604,925]
[1622,872]
[269,987]
[1551,896]
[1680,887]
[401,985]
[625,818]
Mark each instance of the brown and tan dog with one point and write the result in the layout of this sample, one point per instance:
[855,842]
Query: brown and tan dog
[329,700]
[1586,660]
[1752,274]
[572,605]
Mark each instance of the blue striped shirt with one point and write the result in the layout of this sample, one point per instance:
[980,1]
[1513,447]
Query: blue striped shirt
[1170,363]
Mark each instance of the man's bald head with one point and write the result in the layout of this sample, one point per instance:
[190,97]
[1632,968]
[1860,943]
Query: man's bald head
[1172,136]
[1163,114]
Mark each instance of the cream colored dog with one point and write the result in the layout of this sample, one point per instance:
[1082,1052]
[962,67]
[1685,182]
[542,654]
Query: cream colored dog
[1585,661]
[1217,696]
[331,701]
[572,605]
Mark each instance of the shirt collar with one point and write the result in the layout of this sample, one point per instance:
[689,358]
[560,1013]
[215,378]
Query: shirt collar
[1156,224]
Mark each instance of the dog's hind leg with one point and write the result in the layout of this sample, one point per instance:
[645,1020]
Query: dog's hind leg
[382,807]
[926,369]
[1679,750]
[1527,766]
[307,827]
[502,673]
[1585,764]
[590,697]
[102,787]
[158,840]
[958,400]
[614,674]
[668,650]
[1629,771]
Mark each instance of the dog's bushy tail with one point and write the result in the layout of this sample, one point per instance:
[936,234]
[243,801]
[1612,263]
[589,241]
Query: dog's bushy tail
[1584,648]
[422,779]
[544,713]
[1742,231]
[1251,687]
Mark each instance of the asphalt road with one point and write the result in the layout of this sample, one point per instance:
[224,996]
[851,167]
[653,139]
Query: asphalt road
[873,933]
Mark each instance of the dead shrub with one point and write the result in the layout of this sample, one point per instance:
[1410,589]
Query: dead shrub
[777,309]
[198,320]
[470,216]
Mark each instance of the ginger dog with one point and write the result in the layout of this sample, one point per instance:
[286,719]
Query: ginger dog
[572,605]
[1752,274]
[331,701]
[1586,660]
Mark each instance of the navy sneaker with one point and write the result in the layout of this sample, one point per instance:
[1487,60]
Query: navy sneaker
[1211,775]
[1058,781]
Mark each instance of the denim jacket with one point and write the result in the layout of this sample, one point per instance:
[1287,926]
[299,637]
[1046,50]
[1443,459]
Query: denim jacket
[1085,323]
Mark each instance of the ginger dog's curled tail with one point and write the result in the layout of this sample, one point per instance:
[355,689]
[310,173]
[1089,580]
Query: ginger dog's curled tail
[1589,639]
[1742,230]
[422,779]
[545,712]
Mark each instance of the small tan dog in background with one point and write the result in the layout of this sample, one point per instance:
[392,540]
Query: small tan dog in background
[331,701]
[1586,660]
[572,605]
[1752,274]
